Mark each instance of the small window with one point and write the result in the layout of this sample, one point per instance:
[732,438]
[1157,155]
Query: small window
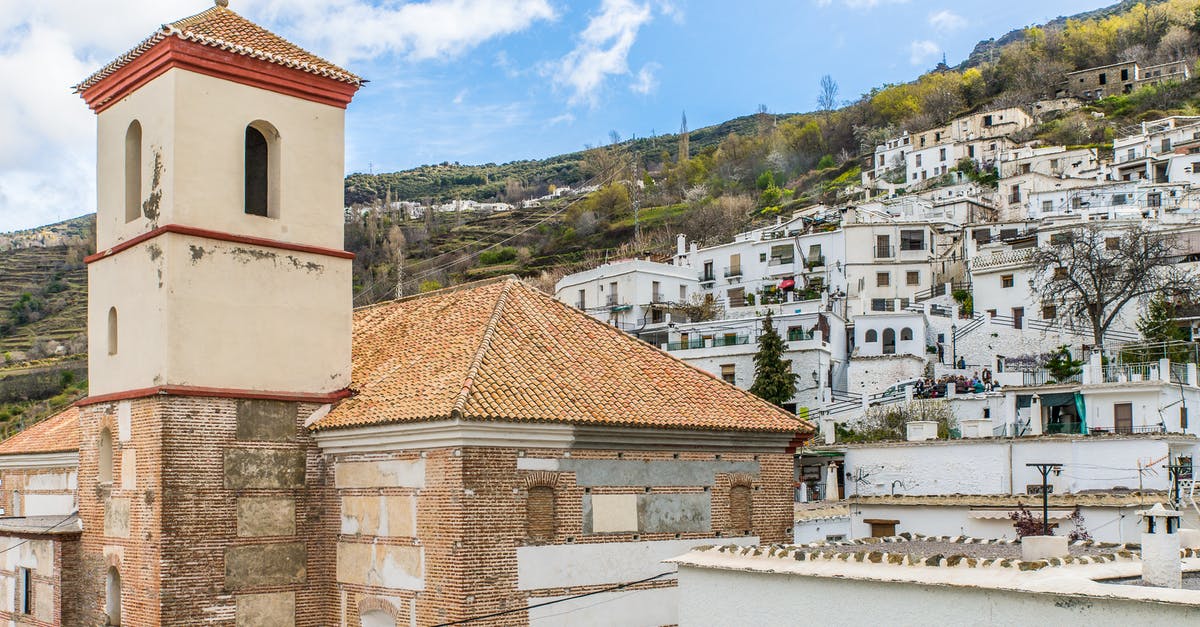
[105,456]
[133,171]
[1154,200]
[1060,273]
[1112,243]
[919,157]
[540,514]
[112,330]
[24,591]
[729,374]
[262,170]
[739,508]
[1183,419]
[942,154]
[1047,205]
[889,341]
[882,279]
[912,277]
[906,334]
[912,239]
[1049,312]
[1006,280]
[1103,78]
[871,336]
[112,596]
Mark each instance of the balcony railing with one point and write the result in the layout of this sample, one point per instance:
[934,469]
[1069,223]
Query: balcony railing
[707,277]
[1064,427]
[781,261]
[1120,373]
[815,262]
[733,271]
[799,335]
[684,345]
[885,252]
[730,340]
[1130,429]
[611,300]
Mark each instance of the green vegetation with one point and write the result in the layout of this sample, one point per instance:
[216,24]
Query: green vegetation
[774,380]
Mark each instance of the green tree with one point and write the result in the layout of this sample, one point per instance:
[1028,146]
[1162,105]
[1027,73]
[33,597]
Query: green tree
[774,380]
[1162,334]
[1062,365]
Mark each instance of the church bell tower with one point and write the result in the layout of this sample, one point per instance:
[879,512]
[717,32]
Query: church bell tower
[219,320]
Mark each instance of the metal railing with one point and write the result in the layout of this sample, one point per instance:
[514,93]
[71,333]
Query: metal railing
[799,335]
[1178,373]
[781,261]
[815,262]
[730,340]
[884,252]
[1131,429]
[1119,373]
[734,271]
[685,344]
[707,277]
[611,300]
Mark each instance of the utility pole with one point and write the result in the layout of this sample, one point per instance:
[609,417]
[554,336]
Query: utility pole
[1046,469]
[1176,471]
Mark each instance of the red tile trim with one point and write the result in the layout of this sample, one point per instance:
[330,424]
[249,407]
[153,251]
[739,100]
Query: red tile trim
[189,390]
[217,235]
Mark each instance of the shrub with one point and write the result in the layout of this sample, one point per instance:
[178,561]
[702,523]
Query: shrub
[504,254]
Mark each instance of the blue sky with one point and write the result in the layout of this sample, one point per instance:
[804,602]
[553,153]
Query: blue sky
[479,81]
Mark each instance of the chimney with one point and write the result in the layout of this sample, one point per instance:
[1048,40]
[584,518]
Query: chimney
[681,244]
[828,430]
[1161,564]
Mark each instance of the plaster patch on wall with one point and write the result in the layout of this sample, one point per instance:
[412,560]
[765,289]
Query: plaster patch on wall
[381,474]
[277,609]
[537,463]
[597,563]
[129,468]
[383,565]
[674,513]
[379,515]
[124,420]
[263,468]
[116,517]
[43,601]
[611,513]
[265,565]
[266,516]
[620,472]
[266,420]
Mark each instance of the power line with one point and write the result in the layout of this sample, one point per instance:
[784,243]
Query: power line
[619,586]
[46,530]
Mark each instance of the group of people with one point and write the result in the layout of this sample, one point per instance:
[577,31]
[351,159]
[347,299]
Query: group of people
[977,383]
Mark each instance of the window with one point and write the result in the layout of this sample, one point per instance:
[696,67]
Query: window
[737,297]
[906,334]
[683,293]
[112,596]
[882,279]
[612,294]
[708,271]
[729,374]
[1006,280]
[987,120]
[1154,200]
[539,514]
[942,153]
[1166,145]
[762,257]
[1125,74]
[24,591]
[882,528]
[912,277]
[1103,78]
[1060,273]
[919,158]
[883,246]
[1131,154]
[871,336]
[582,302]
[1049,312]
[105,455]
[112,330]
[656,292]
[376,618]
[1118,199]
[739,508]
[1047,205]
[1183,419]
[1112,243]
[889,341]
[912,239]
[262,170]
[133,171]
[1014,194]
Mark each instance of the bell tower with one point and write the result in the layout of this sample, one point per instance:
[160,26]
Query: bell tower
[219,321]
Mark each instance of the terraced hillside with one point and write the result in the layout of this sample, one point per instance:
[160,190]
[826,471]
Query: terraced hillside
[50,286]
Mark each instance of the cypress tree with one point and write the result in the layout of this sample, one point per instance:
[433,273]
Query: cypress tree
[774,380]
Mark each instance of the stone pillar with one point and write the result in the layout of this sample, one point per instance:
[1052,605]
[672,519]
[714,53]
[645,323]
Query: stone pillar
[1035,415]
[1093,372]
[828,430]
[1161,564]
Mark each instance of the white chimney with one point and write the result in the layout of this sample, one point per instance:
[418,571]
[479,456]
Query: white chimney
[828,430]
[921,430]
[681,244]
[1161,564]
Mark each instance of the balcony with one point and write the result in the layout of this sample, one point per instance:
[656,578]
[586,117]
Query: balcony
[885,252]
[814,263]
[611,300]
[1129,429]
[684,345]
[735,271]
[731,340]
[707,277]
[778,266]
[799,335]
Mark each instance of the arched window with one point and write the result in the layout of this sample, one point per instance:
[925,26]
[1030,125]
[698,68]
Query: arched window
[377,618]
[262,170]
[739,508]
[133,171]
[112,330]
[905,334]
[889,341]
[105,456]
[540,514]
[112,596]
[872,336]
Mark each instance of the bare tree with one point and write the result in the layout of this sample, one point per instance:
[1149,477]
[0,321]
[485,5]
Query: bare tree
[827,97]
[1089,273]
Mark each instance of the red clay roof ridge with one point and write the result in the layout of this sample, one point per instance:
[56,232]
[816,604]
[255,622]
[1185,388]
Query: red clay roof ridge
[485,344]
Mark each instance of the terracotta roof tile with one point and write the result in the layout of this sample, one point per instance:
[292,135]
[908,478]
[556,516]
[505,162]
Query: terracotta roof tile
[501,350]
[56,434]
[219,27]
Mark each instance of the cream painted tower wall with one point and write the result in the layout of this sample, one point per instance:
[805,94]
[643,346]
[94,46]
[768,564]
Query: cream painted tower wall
[206,312]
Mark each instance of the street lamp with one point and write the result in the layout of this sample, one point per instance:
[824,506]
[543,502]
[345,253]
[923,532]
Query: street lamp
[953,344]
[1046,469]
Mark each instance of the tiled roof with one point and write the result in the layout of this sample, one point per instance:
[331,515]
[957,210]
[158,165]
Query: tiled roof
[56,434]
[219,27]
[501,350]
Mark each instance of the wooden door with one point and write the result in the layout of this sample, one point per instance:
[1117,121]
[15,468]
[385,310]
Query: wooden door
[1018,316]
[1123,417]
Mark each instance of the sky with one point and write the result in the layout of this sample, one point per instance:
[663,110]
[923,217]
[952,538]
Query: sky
[479,81]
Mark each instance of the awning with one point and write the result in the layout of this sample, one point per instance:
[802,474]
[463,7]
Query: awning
[787,284]
[1058,399]
[1006,514]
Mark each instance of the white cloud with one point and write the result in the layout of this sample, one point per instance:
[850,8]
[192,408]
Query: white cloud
[947,21]
[646,81]
[602,51]
[348,30]
[669,9]
[460,96]
[859,4]
[47,134]
[923,51]
[565,118]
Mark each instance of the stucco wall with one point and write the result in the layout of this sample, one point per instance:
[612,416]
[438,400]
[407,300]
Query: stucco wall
[875,374]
